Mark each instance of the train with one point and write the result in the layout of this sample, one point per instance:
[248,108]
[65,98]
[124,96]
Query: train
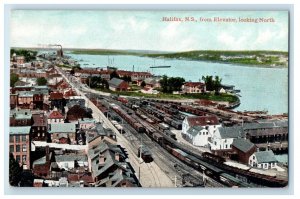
[210,164]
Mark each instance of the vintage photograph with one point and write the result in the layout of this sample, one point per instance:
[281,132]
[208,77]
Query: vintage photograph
[148,98]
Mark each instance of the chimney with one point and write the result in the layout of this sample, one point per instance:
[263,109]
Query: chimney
[101,159]
[117,157]
[47,153]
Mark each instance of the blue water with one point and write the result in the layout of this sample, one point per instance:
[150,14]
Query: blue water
[261,88]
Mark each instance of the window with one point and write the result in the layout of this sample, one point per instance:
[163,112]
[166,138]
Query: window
[23,138]
[226,146]
[11,138]
[23,158]
[24,148]
[38,128]
[18,158]
[11,148]
[18,149]
[199,133]
[253,157]
[17,138]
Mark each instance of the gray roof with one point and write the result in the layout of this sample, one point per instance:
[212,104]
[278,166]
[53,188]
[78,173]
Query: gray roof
[265,157]
[194,130]
[230,132]
[21,130]
[25,93]
[252,126]
[87,120]
[40,161]
[21,113]
[63,128]
[70,157]
[115,82]
[242,144]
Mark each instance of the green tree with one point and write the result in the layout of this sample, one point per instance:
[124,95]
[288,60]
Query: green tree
[171,84]
[41,81]
[212,84]
[13,79]
[114,74]
[143,84]
[15,171]
[29,55]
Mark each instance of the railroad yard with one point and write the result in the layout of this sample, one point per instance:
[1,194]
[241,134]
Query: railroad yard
[141,123]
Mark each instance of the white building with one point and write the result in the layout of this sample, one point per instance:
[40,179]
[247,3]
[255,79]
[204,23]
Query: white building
[70,161]
[263,160]
[198,136]
[55,117]
[224,136]
[198,129]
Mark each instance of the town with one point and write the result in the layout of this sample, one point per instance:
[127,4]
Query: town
[75,126]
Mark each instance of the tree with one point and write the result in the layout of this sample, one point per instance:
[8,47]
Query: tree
[211,83]
[143,84]
[114,74]
[127,78]
[171,84]
[41,81]
[15,171]
[29,55]
[13,79]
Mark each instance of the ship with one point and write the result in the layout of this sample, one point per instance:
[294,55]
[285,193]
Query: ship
[160,66]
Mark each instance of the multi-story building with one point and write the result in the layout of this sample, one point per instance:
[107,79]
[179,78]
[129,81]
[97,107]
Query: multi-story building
[19,144]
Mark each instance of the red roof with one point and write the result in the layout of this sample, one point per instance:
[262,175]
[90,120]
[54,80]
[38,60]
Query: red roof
[194,84]
[55,114]
[203,120]
[56,95]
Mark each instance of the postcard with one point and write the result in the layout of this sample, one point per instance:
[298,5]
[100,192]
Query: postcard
[144,98]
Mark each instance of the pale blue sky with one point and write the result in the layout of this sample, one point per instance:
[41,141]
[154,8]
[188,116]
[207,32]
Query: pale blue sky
[144,30]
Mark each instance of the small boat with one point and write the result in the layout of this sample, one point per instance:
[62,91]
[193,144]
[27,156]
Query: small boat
[160,66]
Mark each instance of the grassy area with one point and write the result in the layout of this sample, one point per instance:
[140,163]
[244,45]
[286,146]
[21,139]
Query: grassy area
[221,97]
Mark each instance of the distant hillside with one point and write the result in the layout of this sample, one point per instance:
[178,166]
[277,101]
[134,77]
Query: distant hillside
[260,58]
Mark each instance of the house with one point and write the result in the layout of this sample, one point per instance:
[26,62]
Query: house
[194,87]
[39,129]
[223,138]
[13,100]
[198,136]
[20,117]
[19,144]
[109,168]
[71,160]
[87,123]
[263,160]
[25,99]
[57,100]
[116,84]
[63,133]
[55,117]
[207,126]
[242,150]
[153,82]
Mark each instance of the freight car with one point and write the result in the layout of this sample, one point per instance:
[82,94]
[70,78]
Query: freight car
[145,154]
[213,158]
[170,134]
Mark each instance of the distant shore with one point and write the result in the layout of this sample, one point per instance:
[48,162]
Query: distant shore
[265,59]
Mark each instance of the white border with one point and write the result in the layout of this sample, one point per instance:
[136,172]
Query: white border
[294,73]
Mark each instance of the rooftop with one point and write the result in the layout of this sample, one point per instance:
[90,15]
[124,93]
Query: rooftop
[230,132]
[21,130]
[202,120]
[115,82]
[265,156]
[242,144]
[62,128]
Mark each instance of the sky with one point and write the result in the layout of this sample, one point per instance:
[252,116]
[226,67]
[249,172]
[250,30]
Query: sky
[145,30]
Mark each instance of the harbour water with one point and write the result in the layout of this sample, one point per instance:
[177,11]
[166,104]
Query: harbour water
[261,88]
